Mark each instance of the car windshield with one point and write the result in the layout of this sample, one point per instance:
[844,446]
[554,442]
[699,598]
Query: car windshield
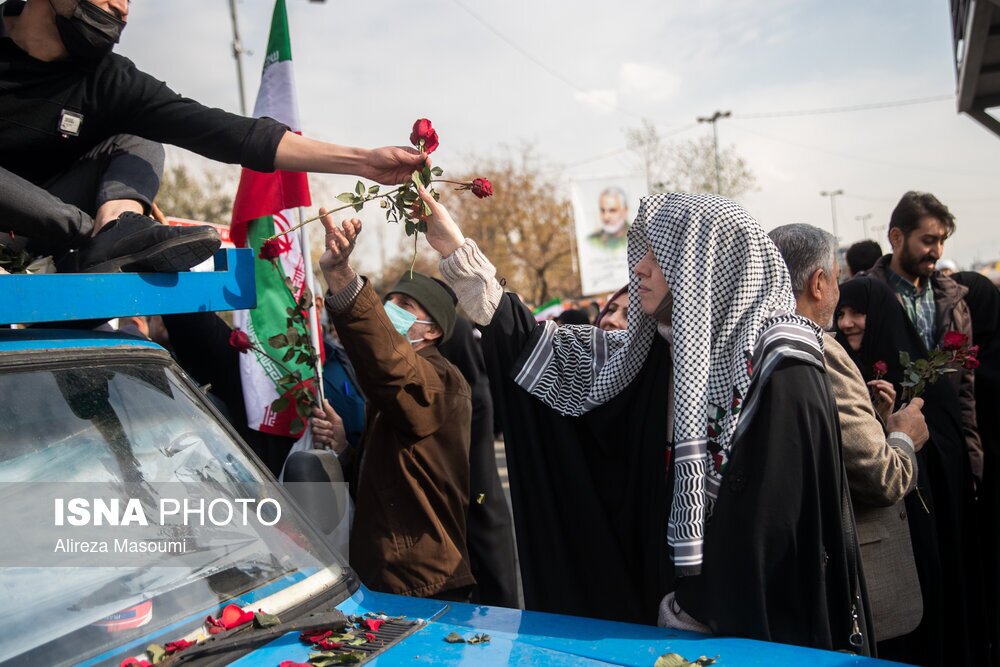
[124,424]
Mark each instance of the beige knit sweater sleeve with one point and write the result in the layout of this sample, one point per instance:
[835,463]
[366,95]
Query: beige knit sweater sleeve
[473,277]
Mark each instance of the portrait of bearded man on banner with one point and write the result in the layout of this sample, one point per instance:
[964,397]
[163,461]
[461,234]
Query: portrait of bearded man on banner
[613,232]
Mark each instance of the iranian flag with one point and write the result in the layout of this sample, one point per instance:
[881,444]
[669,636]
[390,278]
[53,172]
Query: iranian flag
[267,203]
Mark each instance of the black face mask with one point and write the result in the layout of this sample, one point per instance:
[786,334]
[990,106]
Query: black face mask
[89,33]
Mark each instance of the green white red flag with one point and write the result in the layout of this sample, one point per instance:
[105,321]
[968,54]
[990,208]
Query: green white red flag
[267,203]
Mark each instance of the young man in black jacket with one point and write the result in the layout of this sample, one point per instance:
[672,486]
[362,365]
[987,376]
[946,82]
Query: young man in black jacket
[79,128]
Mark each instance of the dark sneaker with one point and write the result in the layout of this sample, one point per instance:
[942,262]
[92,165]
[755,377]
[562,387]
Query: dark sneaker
[137,243]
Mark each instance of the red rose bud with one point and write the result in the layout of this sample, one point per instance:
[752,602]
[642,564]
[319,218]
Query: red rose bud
[425,132]
[972,363]
[270,250]
[482,188]
[369,637]
[954,340]
[880,368]
[240,341]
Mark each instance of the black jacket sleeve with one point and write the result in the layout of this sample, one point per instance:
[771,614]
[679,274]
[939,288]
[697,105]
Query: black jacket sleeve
[146,107]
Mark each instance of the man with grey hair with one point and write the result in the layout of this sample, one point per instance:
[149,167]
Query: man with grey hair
[881,469]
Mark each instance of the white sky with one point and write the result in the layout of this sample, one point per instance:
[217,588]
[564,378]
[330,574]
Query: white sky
[580,73]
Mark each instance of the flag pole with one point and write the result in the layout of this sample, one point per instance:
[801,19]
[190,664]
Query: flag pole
[314,325]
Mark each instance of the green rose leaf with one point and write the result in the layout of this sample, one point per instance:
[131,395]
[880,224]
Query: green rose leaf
[373,190]
[417,179]
[279,404]
[672,660]
[359,189]
[358,207]
[437,171]
[454,638]
[156,653]
[346,197]
[288,355]
[279,341]
[904,359]
[297,425]
[264,620]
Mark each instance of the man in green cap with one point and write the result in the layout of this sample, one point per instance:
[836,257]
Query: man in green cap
[410,477]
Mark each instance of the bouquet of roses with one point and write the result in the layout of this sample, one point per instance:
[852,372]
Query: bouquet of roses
[954,352]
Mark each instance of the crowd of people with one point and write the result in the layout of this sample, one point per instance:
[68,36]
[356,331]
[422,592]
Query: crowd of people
[738,443]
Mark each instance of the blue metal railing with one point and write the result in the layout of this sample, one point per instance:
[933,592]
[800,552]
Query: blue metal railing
[61,297]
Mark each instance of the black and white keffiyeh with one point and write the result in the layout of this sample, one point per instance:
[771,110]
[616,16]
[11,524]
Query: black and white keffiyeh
[729,283]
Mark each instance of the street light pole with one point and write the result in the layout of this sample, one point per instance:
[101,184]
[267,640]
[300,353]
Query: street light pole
[864,222]
[832,194]
[714,119]
[238,54]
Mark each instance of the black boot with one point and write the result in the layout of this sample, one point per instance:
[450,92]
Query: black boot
[138,243]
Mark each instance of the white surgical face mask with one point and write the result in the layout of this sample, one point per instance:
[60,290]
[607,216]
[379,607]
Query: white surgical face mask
[402,320]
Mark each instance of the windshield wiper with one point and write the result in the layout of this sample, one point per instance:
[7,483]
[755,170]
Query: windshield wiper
[253,636]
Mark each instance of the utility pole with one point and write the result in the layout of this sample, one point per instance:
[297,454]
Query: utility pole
[714,119]
[863,219]
[238,54]
[832,194]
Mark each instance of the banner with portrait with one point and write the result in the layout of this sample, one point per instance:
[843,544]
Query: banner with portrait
[603,210]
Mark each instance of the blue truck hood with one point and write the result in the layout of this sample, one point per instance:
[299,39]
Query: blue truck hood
[533,638]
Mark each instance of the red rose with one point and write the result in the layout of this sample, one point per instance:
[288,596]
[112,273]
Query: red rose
[973,351]
[270,250]
[971,363]
[880,368]
[240,341]
[135,662]
[173,647]
[369,637]
[954,340]
[482,188]
[425,132]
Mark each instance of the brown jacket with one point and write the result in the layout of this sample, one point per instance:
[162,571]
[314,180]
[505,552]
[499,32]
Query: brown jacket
[880,472]
[952,315]
[412,490]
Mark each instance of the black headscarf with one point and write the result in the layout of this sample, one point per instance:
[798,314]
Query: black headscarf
[887,330]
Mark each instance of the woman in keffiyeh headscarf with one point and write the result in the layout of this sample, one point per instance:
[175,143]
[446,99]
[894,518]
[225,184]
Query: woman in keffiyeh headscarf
[746,402]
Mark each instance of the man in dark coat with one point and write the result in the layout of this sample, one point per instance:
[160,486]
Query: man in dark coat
[918,229]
